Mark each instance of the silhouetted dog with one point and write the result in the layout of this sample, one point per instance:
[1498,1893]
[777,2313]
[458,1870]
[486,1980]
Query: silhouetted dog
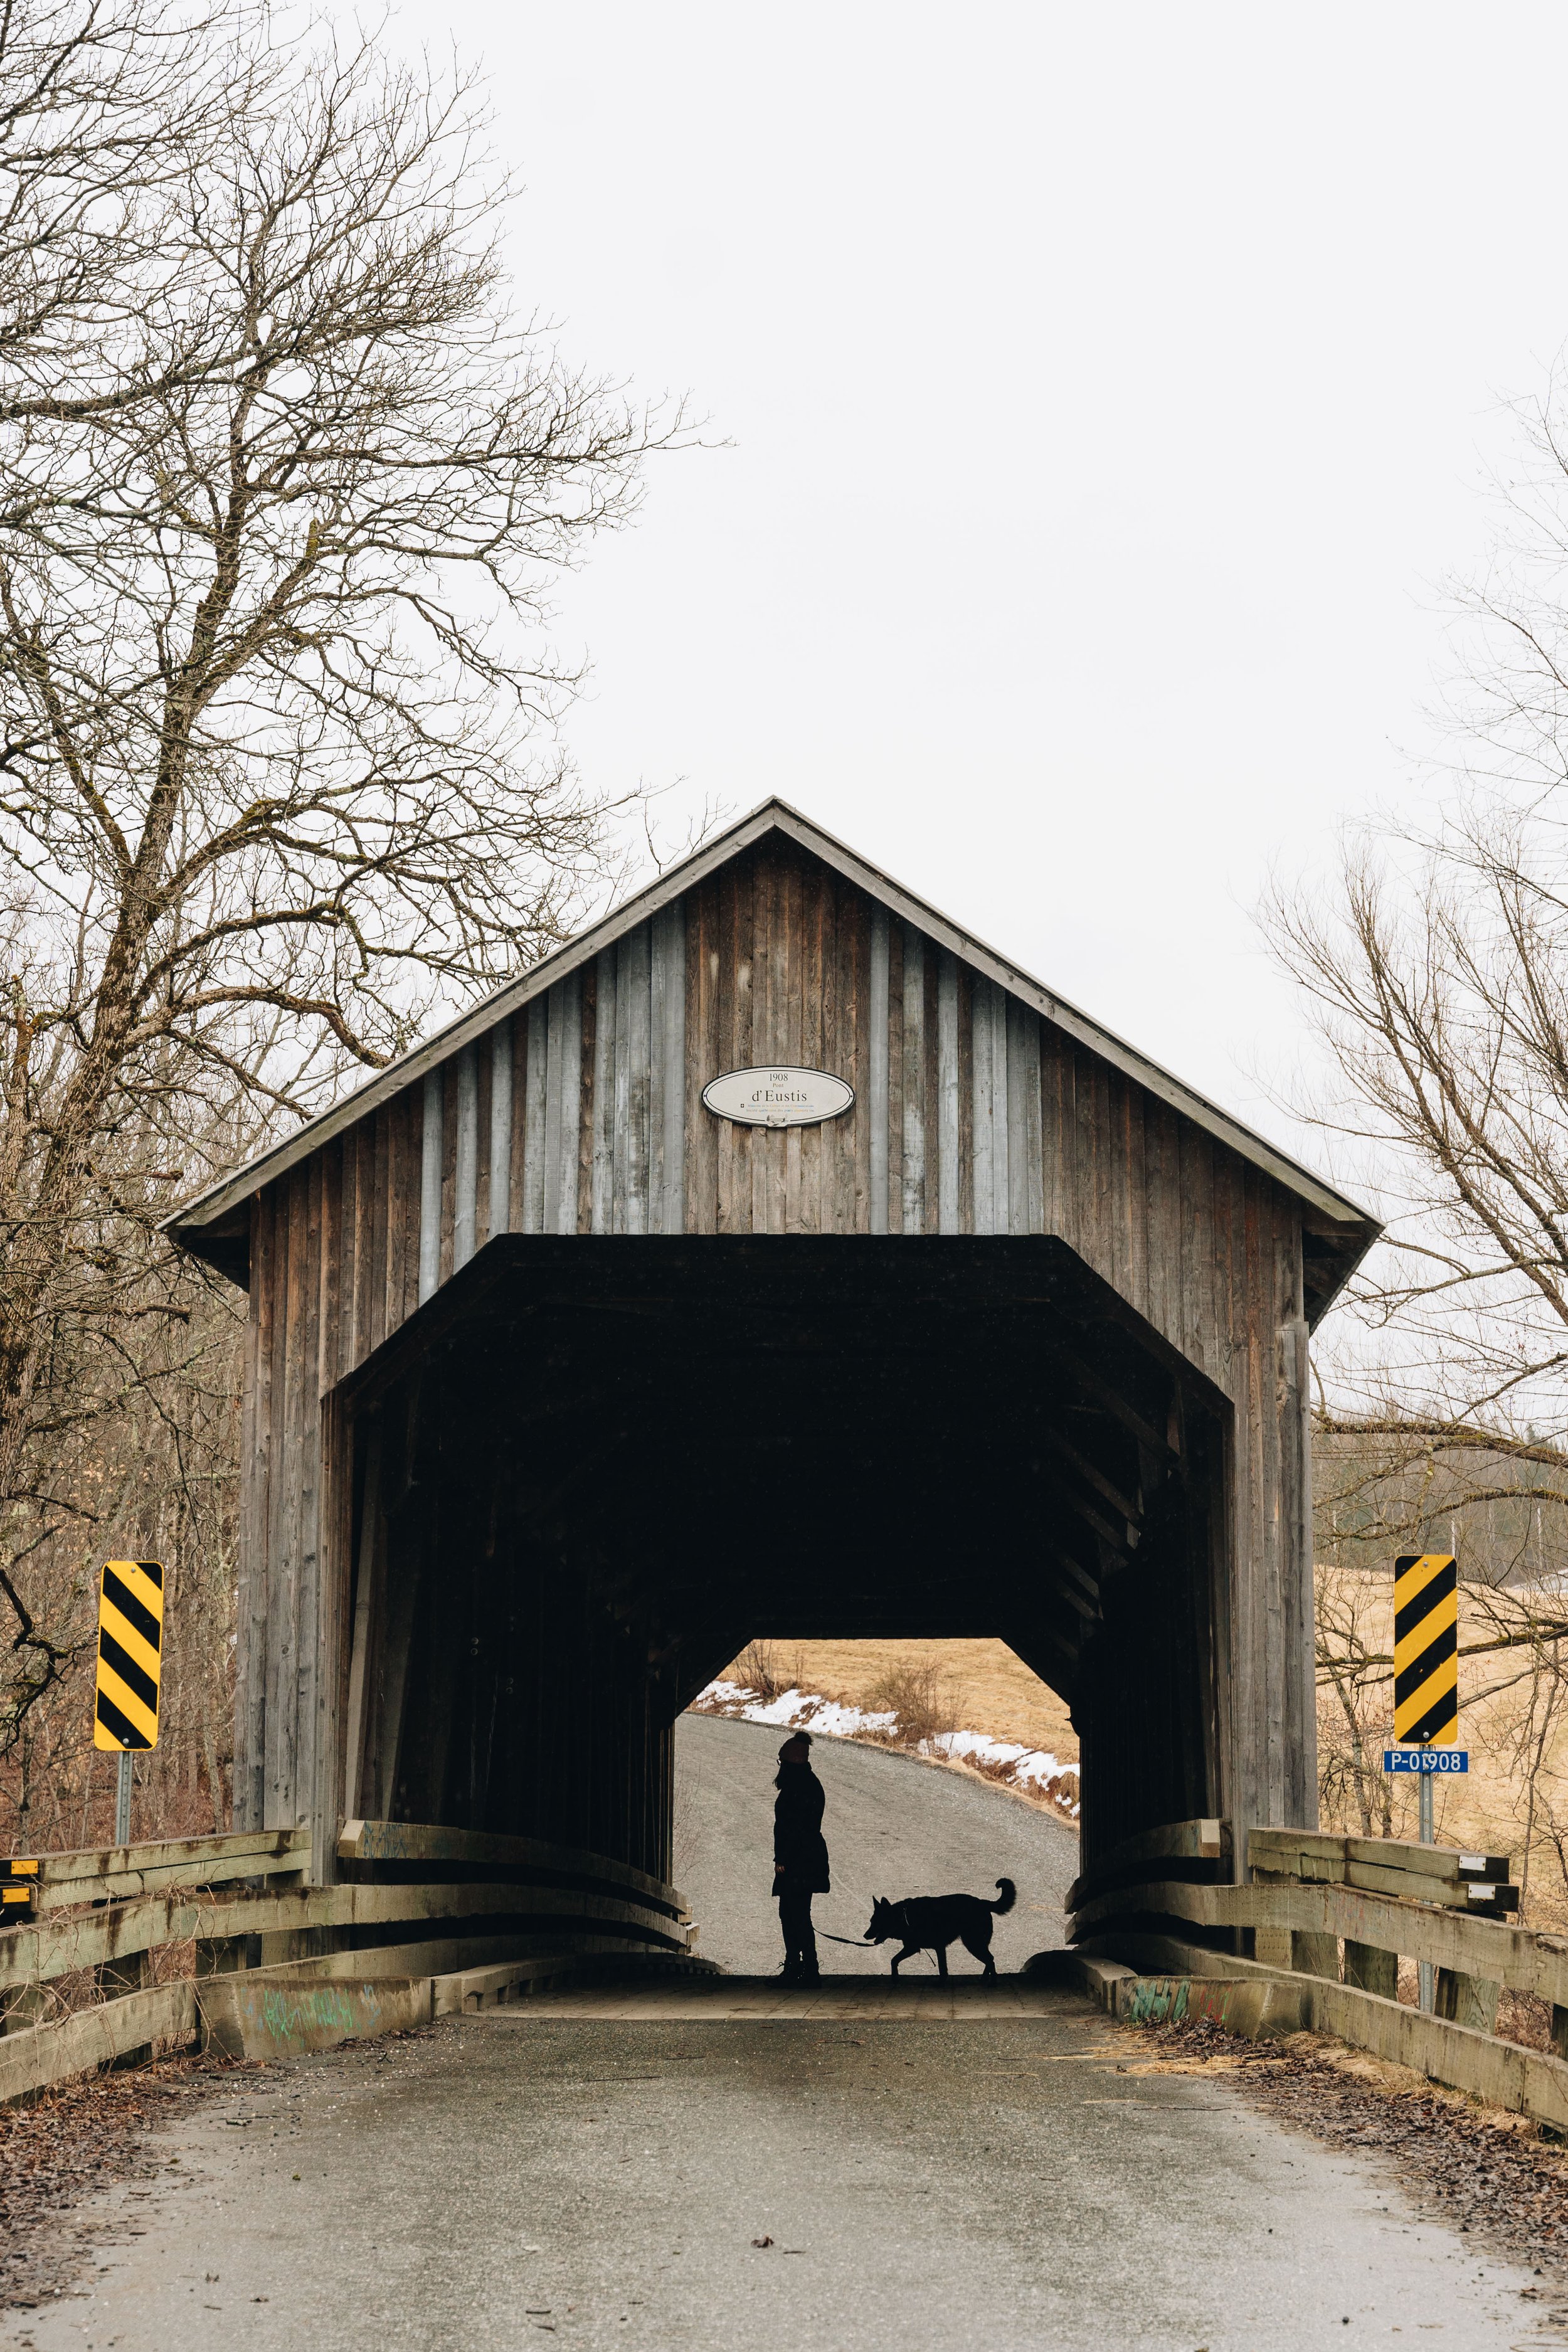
[930,1923]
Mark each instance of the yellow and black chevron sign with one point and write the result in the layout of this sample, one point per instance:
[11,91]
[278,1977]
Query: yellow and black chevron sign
[130,1647]
[1427,1650]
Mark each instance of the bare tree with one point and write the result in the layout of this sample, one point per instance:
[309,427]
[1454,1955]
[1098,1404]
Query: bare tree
[282,490]
[97,102]
[1438,964]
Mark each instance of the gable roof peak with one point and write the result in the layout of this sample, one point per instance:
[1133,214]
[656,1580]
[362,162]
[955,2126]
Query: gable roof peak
[1351,1227]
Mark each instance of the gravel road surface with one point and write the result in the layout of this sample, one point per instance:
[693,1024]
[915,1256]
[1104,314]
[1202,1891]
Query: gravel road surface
[894,1826]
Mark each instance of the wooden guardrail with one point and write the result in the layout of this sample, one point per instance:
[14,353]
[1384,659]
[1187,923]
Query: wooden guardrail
[1329,1918]
[424,1918]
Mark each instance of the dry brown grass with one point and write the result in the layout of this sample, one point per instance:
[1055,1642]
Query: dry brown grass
[1513,1720]
[984,1685]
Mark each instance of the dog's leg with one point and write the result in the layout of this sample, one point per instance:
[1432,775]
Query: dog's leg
[977,1941]
[942,1960]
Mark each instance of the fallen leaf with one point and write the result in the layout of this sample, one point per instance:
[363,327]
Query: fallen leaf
[762,2242]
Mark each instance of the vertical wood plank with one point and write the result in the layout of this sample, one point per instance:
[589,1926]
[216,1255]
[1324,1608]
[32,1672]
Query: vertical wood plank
[765,1146]
[834,1139]
[359,1243]
[330,1266]
[1001,1135]
[733,1183]
[500,1219]
[554,1147]
[605,1006]
[430,1158]
[1023,1033]
[448,1169]
[1163,1192]
[965,1019]
[466,1162]
[385,1214]
[283,1662]
[519,1029]
[667,1102]
[947,1091]
[1133,1208]
[309,1626]
[569,1090]
[1294,1389]
[637,963]
[535,1144]
[701,1059]
[745,1051]
[895,1077]
[796,955]
[913,1070]
[1053,1171]
[876,1069]
[981,992]
[1068,1184]
[404,1262]
[251,1594]
[578,1121]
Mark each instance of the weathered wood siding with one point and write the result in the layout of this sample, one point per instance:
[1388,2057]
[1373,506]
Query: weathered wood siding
[582,1114]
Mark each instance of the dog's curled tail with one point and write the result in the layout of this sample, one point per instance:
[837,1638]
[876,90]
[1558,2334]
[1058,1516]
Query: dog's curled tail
[1006,1894]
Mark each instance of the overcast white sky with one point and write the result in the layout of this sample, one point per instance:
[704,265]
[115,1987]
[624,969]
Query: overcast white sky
[1111,391]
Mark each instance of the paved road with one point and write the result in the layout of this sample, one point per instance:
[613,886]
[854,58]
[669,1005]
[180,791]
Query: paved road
[894,1827]
[952,2188]
[985,2185]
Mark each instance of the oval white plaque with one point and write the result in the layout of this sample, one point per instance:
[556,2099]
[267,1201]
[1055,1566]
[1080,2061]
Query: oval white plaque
[777,1097]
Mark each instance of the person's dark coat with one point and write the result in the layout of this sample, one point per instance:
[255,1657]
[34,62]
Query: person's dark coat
[799,1847]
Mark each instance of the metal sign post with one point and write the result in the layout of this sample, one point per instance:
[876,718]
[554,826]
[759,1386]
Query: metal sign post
[1426,1688]
[130,1667]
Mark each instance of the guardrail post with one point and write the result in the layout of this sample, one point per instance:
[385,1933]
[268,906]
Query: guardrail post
[131,1973]
[1466,1999]
[26,2006]
[1313,1954]
[221,1955]
[1372,1969]
[128,1974]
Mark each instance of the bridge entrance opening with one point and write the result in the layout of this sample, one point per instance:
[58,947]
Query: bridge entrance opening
[575,1483]
[565,1376]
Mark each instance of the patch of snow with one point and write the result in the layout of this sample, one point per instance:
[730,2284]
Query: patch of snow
[792,1710]
[1006,1760]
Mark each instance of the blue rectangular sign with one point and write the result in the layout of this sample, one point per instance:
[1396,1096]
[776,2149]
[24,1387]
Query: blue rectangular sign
[1426,1759]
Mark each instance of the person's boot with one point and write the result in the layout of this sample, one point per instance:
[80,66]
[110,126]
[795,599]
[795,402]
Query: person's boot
[790,1972]
[808,1972]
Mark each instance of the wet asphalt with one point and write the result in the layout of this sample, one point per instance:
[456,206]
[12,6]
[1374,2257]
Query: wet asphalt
[961,2186]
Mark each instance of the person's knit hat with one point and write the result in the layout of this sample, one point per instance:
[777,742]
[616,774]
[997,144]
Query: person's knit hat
[796,1749]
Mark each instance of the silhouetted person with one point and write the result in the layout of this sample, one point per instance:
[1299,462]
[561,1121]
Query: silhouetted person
[800,1856]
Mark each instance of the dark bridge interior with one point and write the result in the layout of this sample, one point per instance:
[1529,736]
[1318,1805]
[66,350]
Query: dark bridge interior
[590,1469]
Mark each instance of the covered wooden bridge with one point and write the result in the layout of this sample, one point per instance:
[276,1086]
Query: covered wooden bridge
[563,1381]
